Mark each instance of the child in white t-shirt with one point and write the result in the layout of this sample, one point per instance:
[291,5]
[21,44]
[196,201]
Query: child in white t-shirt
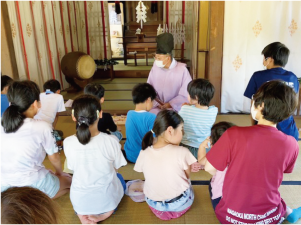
[26,141]
[52,102]
[166,167]
[217,181]
[94,156]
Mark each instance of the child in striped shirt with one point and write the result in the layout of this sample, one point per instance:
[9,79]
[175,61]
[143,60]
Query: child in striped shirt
[198,115]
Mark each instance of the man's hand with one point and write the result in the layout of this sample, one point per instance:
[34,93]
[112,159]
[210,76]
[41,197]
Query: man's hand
[166,106]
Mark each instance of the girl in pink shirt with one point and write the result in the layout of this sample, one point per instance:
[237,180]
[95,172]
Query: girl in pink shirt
[166,167]
[217,181]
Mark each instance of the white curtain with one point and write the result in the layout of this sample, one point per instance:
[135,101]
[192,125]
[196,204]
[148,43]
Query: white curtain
[44,31]
[248,28]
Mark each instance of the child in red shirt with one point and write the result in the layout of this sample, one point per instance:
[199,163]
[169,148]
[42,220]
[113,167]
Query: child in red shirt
[256,158]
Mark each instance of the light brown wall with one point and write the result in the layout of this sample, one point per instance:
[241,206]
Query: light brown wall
[8,60]
[210,45]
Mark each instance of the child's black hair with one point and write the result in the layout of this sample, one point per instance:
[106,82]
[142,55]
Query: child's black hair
[21,95]
[218,129]
[5,81]
[280,100]
[85,111]
[201,90]
[277,51]
[95,89]
[141,92]
[52,85]
[164,119]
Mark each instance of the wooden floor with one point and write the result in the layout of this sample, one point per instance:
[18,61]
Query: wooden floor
[201,211]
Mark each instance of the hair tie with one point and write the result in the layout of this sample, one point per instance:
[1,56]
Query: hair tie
[82,120]
[152,131]
[97,113]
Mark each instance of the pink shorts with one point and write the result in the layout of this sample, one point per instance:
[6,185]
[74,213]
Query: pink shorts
[168,215]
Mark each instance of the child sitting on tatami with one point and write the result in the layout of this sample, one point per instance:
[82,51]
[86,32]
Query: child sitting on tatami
[256,158]
[217,181]
[52,102]
[198,116]
[94,156]
[105,124]
[166,167]
[139,121]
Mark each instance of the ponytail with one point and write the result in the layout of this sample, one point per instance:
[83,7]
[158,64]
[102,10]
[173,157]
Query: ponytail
[21,94]
[85,109]
[164,119]
[12,119]
[148,140]
[83,133]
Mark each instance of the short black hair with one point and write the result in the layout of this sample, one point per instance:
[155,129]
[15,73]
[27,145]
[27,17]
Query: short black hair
[21,94]
[5,81]
[202,90]
[218,129]
[277,51]
[95,89]
[52,85]
[280,100]
[141,92]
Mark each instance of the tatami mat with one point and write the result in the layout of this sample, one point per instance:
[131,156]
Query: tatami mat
[118,95]
[201,211]
[130,212]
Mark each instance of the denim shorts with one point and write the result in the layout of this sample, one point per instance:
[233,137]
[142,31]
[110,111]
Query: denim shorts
[173,206]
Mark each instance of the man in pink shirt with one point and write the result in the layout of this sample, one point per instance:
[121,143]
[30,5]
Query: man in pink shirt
[169,77]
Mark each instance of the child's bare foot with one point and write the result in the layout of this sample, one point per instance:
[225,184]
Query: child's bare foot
[84,219]
[100,217]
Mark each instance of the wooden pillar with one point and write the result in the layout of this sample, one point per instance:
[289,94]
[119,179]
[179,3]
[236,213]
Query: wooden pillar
[215,53]
[8,58]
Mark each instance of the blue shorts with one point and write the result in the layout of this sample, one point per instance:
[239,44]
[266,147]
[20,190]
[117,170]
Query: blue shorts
[50,185]
[118,134]
[176,206]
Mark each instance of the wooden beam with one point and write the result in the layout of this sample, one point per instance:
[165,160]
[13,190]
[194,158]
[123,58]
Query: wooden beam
[215,53]
[8,58]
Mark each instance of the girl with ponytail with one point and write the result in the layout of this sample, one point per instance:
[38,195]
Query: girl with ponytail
[26,141]
[94,157]
[166,167]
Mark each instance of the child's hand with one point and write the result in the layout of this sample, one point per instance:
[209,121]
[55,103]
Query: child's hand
[204,144]
[196,167]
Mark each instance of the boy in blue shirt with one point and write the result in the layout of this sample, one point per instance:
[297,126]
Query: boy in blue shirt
[198,116]
[5,82]
[275,57]
[139,121]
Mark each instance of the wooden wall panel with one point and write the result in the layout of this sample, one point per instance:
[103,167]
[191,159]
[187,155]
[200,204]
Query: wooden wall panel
[203,26]
[8,59]
[201,69]
[215,54]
